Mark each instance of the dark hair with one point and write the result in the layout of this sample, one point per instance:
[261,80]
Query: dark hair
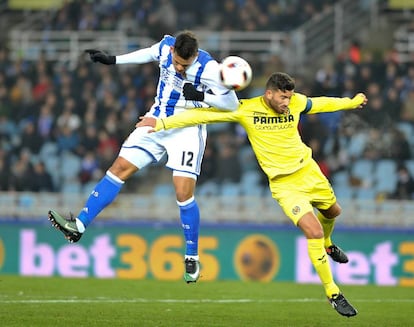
[280,81]
[186,45]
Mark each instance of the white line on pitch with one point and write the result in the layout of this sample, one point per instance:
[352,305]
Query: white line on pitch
[142,300]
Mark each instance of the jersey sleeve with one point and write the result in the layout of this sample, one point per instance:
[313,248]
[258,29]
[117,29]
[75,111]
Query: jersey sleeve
[217,95]
[330,104]
[142,56]
[227,101]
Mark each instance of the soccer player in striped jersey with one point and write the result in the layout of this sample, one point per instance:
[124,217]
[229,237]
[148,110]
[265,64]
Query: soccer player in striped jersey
[295,179]
[189,77]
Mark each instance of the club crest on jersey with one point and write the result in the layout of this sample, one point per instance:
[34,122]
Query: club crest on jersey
[295,210]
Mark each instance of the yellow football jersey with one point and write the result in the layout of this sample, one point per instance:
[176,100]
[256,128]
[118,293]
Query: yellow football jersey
[274,137]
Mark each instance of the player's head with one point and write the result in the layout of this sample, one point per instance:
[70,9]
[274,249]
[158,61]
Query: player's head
[184,51]
[279,90]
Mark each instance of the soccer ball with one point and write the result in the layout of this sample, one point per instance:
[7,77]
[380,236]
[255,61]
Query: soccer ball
[235,73]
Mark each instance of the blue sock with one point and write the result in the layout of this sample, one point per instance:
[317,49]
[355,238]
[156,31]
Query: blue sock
[103,194]
[190,221]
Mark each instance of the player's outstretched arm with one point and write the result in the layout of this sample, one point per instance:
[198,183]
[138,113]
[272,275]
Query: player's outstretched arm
[329,104]
[140,56]
[188,118]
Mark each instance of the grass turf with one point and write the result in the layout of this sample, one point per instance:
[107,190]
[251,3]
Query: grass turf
[31,301]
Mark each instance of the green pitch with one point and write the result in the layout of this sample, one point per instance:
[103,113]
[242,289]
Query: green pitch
[54,302]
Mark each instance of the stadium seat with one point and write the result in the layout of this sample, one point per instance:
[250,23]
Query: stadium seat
[52,165]
[70,166]
[71,187]
[357,145]
[247,159]
[385,176]
[251,177]
[343,191]
[340,178]
[410,166]
[407,130]
[365,193]
[163,190]
[253,190]
[209,188]
[363,170]
[230,189]
[48,149]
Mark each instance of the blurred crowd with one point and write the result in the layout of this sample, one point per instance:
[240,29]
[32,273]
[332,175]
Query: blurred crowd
[51,115]
[155,18]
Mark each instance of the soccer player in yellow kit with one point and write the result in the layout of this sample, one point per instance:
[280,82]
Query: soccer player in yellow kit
[295,180]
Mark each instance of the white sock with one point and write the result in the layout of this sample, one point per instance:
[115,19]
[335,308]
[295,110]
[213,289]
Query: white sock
[195,257]
[80,226]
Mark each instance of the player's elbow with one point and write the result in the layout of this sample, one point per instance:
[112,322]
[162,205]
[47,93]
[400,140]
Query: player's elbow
[233,106]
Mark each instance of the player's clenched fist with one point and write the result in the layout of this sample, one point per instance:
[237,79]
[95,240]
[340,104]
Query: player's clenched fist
[100,56]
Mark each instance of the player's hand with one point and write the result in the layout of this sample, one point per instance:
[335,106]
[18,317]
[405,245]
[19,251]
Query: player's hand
[147,121]
[191,93]
[100,56]
[361,96]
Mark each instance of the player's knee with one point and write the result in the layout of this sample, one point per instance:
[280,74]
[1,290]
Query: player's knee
[183,195]
[333,212]
[315,234]
[122,168]
[310,226]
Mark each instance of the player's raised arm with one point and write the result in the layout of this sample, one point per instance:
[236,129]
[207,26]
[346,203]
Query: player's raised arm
[135,57]
[329,104]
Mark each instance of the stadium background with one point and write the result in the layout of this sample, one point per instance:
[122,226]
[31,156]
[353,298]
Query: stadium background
[62,120]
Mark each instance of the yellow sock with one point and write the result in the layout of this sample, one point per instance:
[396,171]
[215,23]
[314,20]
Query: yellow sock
[319,259]
[328,226]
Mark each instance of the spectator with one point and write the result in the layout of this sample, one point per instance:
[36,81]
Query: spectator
[21,173]
[209,165]
[68,118]
[405,184]
[67,139]
[41,180]
[354,52]
[407,111]
[30,139]
[45,122]
[4,171]
[89,168]
[399,146]
[313,129]
[228,164]
[89,140]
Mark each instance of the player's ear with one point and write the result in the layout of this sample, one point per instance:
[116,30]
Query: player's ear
[268,94]
[172,49]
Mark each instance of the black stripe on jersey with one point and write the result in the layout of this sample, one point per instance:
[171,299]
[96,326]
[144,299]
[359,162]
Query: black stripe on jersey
[308,106]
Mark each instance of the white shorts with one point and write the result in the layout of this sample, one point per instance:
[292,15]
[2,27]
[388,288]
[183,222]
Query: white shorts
[183,146]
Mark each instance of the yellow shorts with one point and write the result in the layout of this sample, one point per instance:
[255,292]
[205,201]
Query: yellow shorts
[302,191]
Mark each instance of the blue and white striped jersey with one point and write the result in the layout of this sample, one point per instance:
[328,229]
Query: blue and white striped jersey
[203,73]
